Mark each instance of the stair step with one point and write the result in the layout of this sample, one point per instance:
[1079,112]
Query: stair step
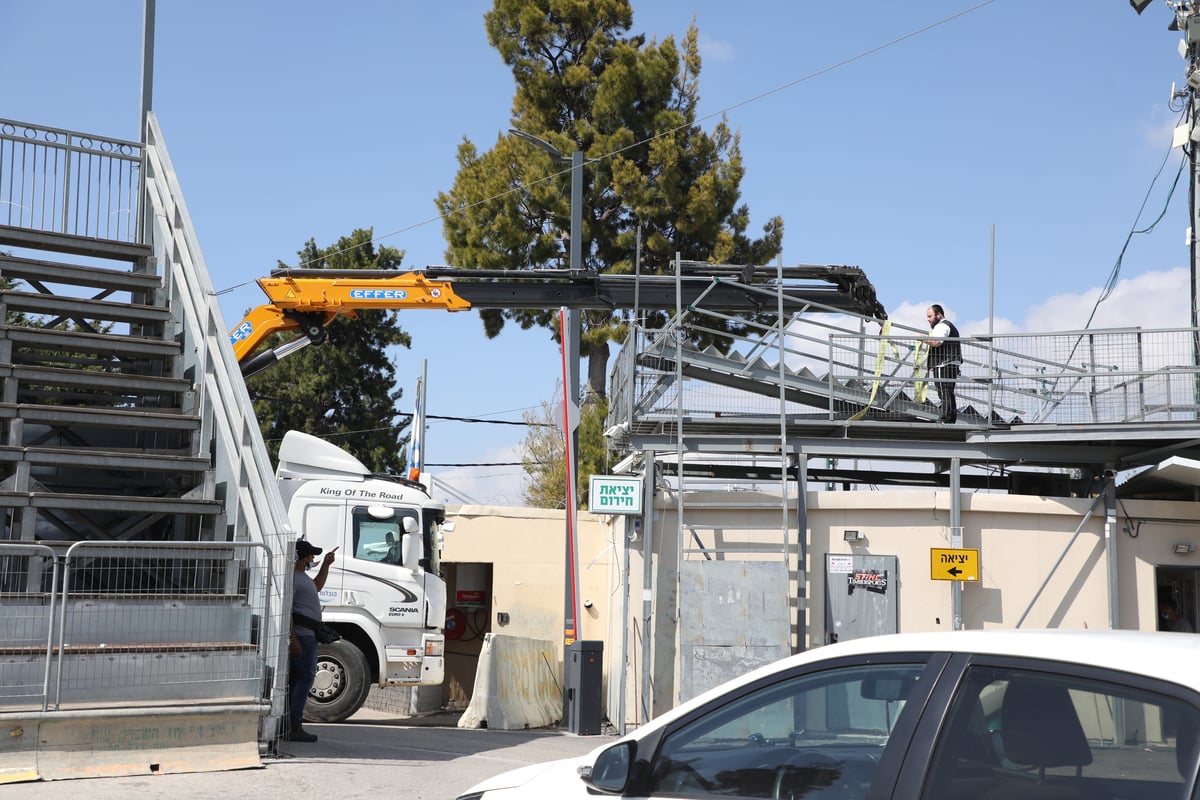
[125,383]
[159,420]
[104,459]
[105,310]
[31,269]
[75,245]
[114,344]
[123,504]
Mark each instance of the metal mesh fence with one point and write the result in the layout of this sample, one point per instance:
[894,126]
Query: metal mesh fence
[114,623]
[813,367]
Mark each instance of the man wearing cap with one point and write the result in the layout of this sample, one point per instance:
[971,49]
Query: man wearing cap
[306,615]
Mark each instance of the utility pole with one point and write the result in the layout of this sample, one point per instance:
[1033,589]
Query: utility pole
[147,67]
[570,336]
[1187,21]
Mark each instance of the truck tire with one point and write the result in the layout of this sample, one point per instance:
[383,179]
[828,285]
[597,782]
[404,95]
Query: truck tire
[343,681]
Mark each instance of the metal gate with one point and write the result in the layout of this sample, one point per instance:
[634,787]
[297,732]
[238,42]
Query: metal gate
[861,596]
[733,617]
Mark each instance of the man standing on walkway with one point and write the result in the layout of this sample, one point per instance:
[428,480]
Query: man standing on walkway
[945,359]
[306,619]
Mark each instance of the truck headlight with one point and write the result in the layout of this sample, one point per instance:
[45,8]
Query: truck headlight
[435,647]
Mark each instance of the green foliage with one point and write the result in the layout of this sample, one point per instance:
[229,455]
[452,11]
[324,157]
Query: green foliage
[544,459]
[583,82]
[343,389]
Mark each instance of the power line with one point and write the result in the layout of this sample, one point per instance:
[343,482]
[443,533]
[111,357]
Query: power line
[753,99]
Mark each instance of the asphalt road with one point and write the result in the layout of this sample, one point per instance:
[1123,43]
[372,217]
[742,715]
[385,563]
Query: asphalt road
[372,755]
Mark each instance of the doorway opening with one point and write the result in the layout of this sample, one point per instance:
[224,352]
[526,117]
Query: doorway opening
[1176,591]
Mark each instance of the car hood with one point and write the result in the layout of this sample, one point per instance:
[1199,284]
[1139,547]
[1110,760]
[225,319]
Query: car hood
[557,773]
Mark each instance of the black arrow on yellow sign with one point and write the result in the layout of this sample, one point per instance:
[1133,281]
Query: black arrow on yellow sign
[954,564]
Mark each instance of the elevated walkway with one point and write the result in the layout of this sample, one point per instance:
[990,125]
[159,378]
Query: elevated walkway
[813,387]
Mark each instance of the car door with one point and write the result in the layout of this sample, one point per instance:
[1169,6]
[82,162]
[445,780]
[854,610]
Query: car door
[821,732]
[1019,728]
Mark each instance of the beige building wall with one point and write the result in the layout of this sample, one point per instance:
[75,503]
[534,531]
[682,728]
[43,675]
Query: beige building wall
[526,548]
[1044,562]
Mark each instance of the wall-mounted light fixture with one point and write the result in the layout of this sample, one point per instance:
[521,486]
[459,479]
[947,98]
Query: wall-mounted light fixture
[1183,549]
[852,536]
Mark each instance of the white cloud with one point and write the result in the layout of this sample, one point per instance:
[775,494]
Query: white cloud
[1150,300]
[715,50]
[1157,299]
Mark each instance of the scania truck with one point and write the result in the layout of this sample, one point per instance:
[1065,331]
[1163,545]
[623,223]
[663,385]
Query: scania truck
[384,594]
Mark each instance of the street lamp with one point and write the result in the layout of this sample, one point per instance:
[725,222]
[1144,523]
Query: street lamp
[576,161]
[569,323]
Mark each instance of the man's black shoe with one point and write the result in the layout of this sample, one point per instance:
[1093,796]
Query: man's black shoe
[299,735]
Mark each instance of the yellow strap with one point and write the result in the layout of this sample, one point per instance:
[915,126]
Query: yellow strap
[883,343]
[920,384]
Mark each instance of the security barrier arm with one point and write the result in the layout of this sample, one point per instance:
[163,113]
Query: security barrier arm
[310,304]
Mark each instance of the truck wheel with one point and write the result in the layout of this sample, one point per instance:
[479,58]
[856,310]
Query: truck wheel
[343,681]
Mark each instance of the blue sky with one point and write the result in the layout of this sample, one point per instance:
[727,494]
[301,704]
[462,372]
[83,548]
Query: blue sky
[298,120]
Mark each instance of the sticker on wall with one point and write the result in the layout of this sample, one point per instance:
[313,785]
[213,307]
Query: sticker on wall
[841,565]
[873,580]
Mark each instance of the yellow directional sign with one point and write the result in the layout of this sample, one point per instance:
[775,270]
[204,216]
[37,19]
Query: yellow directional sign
[958,564]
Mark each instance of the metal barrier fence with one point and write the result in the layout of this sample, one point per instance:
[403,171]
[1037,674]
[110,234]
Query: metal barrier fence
[61,181]
[133,623]
[813,366]
[1064,378]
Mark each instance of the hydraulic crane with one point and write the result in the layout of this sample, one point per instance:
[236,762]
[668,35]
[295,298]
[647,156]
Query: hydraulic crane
[309,300]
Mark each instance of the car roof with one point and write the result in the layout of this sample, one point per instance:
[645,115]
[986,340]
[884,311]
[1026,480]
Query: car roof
[1171,657]
[1166,656]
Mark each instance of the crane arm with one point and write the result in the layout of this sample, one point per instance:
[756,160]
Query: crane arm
[310,304]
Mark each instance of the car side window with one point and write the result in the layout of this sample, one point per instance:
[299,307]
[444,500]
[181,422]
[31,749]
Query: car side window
[1015,734]
[817,735]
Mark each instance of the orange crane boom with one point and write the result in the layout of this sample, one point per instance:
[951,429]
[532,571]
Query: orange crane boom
[309,300]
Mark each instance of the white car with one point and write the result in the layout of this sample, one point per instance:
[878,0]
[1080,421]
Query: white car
[967,715]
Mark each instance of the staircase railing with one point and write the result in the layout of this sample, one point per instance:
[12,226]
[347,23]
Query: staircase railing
[834,373]
[243,473]
[66,182]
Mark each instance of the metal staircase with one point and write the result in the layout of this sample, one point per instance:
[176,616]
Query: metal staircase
[99,422]
[144,550]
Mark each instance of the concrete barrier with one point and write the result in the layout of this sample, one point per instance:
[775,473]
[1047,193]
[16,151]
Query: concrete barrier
[516,685]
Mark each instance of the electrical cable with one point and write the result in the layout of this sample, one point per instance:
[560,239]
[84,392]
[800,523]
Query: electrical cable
[689,124]
[1133,230]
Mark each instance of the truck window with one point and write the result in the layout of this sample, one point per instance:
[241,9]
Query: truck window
[379,540]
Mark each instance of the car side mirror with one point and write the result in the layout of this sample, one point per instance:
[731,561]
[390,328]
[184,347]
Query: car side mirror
[610,772]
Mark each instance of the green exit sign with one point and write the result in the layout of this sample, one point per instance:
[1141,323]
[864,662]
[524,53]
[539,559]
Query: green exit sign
[609,494]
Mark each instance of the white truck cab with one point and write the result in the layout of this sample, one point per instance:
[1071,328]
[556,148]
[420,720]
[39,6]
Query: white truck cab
[384,594]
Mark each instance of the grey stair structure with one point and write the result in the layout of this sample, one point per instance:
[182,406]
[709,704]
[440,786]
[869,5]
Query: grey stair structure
[99,422]
[144,551]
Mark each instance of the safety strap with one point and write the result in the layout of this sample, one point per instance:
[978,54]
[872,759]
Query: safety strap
[884,342]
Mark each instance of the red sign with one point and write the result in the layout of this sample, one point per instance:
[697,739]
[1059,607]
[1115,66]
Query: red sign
[464,597]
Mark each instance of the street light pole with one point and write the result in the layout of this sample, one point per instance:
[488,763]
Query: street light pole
[569,321]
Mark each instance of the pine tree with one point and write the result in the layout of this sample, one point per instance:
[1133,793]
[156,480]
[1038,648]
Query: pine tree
[583,82]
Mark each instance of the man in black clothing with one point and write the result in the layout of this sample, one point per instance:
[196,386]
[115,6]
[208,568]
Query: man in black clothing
[945,359]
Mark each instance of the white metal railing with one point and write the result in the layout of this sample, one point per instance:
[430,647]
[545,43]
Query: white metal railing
[61,181]
[242,466]
[1111,376]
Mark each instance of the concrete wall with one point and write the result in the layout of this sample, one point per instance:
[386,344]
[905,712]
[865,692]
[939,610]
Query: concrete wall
[1021,539]
[525,547]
